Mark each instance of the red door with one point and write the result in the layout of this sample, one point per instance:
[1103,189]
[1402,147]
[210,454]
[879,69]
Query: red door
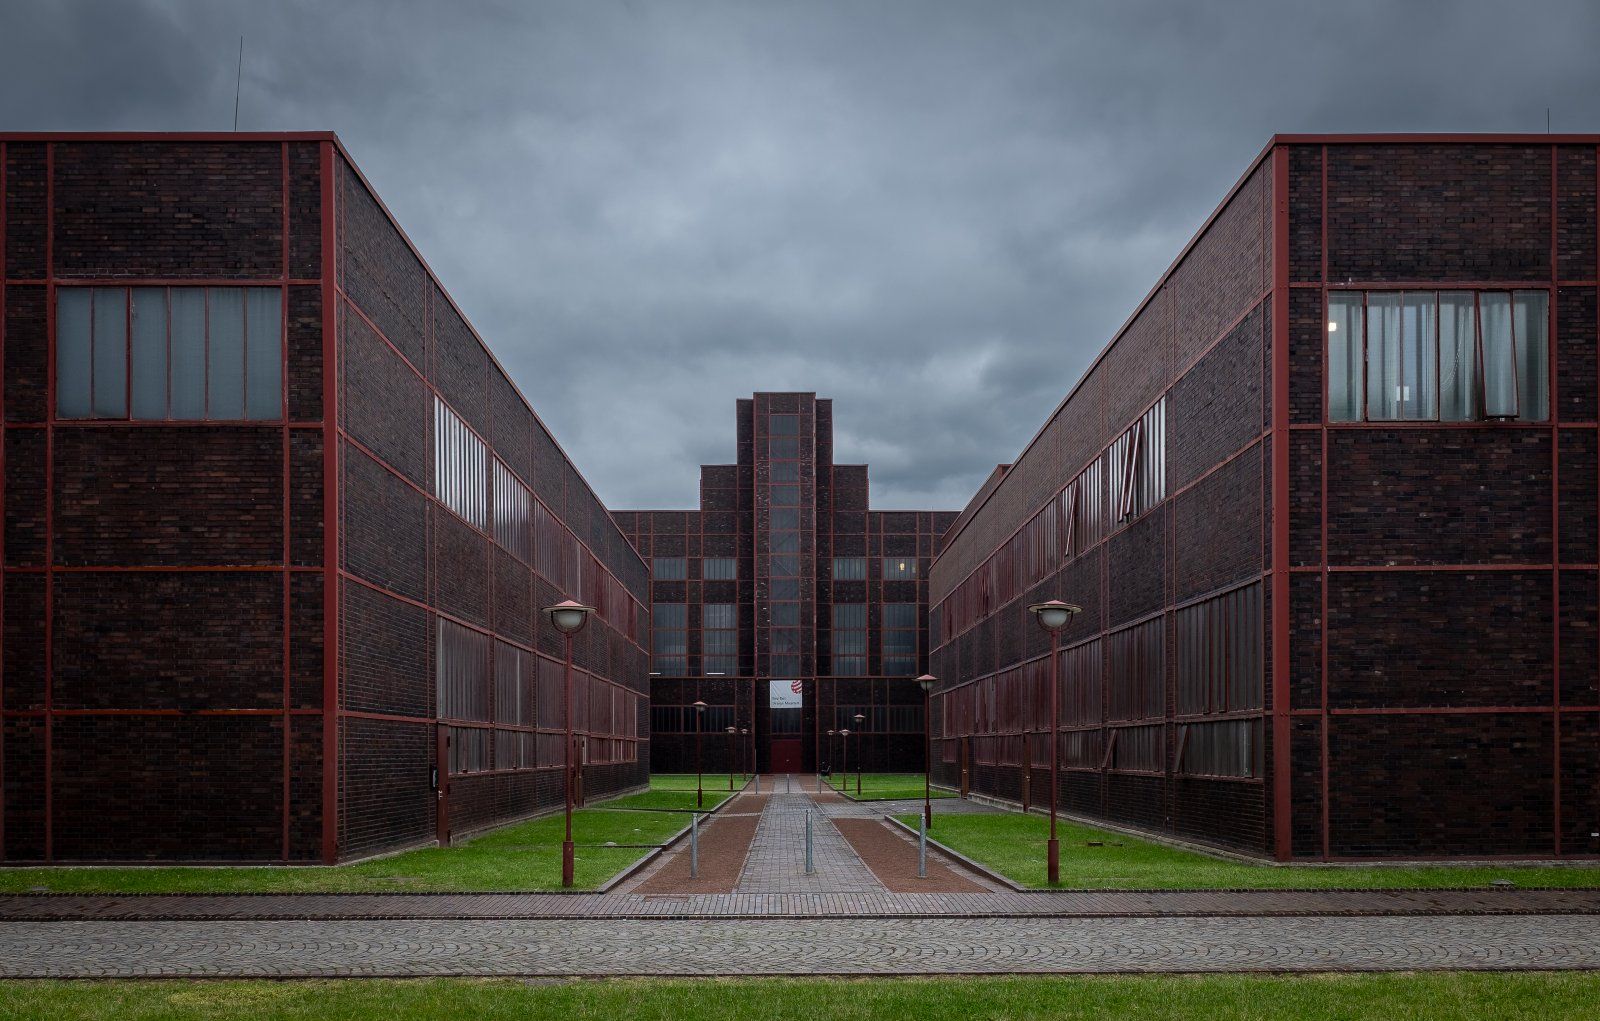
[785,755]
[441,784]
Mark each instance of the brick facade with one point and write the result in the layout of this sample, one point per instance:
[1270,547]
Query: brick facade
[185,674]
[1427,616]
[835,521]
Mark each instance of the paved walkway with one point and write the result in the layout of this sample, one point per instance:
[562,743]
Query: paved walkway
[882,946]
[777,920]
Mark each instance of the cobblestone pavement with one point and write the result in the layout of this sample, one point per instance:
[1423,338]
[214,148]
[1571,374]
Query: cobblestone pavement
[788,947]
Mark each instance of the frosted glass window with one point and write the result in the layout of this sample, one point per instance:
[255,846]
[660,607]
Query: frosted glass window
[263,353]
[110,357]
[849,568]
[73,332]
[719,616]
[188,352]
[149,349]
[225,354]
[720,568]
[181,353]
[1499,356]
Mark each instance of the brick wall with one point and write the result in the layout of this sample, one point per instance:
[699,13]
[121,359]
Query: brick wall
[162,590]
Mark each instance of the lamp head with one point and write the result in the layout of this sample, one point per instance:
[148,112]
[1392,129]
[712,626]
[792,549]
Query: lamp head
[927,681]
[1053,614]
[699,706]
[568,617]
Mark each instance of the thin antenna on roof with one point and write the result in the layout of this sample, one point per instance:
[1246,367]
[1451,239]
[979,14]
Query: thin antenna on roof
[238,77]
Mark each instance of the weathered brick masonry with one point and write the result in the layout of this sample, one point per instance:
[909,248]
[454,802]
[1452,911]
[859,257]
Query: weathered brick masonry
[220,637]
[1427,615]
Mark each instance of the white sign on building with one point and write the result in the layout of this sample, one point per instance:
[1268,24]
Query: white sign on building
[783,694]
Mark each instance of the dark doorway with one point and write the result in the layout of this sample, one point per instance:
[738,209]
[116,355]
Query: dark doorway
[785,755]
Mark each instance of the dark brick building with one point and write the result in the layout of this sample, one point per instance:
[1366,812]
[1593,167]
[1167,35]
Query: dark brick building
[786,605]
[277,525]
[1328,500]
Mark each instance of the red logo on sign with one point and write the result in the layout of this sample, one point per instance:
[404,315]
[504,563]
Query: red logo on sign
[794,686]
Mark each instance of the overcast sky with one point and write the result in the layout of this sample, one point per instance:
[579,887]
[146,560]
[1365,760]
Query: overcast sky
[934,213]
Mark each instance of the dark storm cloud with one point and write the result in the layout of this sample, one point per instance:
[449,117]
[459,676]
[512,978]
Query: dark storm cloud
[935,213]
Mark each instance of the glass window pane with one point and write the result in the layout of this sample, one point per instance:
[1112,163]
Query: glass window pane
[784,542]
[1344,356]
[785,471]
[720,615]
[785,565]
[669,615]
[785,588]
[149,352]
[1532,309]
[899,567]
[1384,357]
[849,568]
[849,666]
[786,496]
[225,353]
[783,425]
[720,568]
[72,352]
[900,615]
[783,519]
[849,615]
[783,446]
[264,351]
[785,614]
[1499,357]
[110,398]
[849,643]
[1419,389]
[786,641]
[785,666]
[188,352]
[1458,356]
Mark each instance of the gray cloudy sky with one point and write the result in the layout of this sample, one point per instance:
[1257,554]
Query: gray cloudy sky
[933,212]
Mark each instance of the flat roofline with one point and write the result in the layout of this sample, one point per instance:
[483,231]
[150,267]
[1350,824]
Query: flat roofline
[1396,138]
[339,146]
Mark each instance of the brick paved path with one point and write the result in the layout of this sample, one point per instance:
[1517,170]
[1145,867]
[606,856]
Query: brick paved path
[777,859]
[878,946]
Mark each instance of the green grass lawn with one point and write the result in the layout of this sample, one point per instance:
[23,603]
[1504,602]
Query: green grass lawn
[1400,997]
[884,786]
[672,800]
[1013,845]
[686,781]
[522,857]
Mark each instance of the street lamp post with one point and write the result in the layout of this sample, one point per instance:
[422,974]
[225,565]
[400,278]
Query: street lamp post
[926,683]
[731,755]
[844,765]
[1053,615]
[699,787]
[831,761]
[859,721]
[744,761]
[568,617]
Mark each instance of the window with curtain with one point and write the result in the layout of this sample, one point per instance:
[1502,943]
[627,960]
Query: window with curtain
[899,568]
[169,353]
[1451,356]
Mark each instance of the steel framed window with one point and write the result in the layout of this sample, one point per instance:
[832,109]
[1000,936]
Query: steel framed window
[169,353]
[460,467]
[1438,355]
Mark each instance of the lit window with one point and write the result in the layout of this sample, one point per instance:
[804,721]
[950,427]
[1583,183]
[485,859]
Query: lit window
[169,353]
[899,568]
[1452,356]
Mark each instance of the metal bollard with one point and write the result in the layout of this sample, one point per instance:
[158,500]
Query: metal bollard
[922,849]
[758,783]
[810,863]
[786,778]
[694,846]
